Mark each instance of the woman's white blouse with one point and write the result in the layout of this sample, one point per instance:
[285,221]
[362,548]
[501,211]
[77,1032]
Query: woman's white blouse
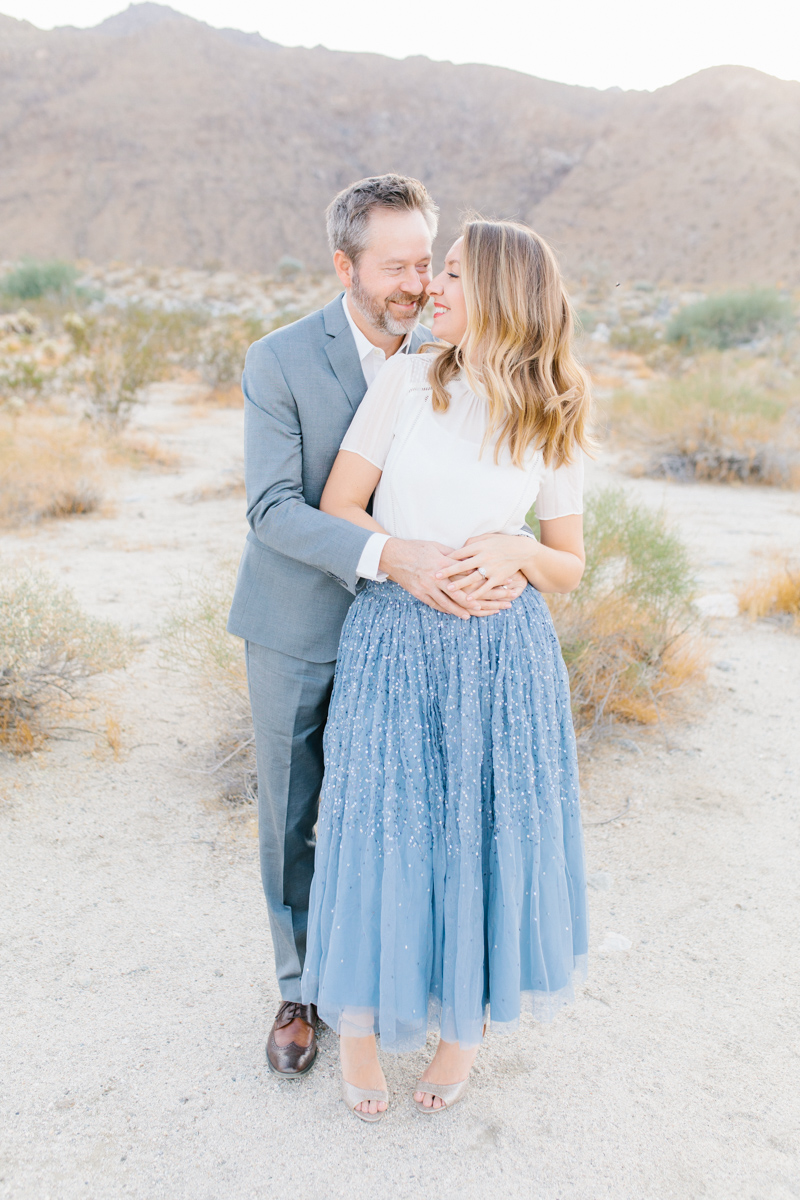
[436,484]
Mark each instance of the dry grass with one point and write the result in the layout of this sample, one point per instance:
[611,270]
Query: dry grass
[48,468]
[774,595]
[142,453]
[728,419]
[110,740]
[49,648]
[217,491]
[196,641]
[620,667]
[221,397]
[626,632]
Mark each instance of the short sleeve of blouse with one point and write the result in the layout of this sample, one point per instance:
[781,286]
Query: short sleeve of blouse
[561,491]
[374,425]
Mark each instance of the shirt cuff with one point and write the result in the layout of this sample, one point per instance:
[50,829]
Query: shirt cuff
[369,565]
[526,532]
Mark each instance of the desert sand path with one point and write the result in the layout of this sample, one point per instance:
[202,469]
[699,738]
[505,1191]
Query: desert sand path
[137,987]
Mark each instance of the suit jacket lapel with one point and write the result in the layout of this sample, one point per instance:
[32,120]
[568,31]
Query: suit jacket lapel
[342,353]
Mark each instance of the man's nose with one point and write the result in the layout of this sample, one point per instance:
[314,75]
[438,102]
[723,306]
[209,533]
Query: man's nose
[414,282]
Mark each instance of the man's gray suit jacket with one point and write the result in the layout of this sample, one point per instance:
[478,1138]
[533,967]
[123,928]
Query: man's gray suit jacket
[297,577]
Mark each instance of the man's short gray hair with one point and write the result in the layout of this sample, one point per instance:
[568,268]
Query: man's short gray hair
[348,213]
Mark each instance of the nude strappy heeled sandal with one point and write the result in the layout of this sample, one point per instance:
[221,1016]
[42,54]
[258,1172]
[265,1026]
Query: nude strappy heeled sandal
[448,1093]
[353,1096]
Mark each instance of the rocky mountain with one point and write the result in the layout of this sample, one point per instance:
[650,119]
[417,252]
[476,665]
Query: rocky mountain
[155,138]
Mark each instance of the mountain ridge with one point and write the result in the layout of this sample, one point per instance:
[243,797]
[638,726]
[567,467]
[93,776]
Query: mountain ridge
[158,138]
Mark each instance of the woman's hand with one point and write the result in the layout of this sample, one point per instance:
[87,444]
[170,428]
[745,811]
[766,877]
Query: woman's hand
[554,564]
[493,601]
[488,562]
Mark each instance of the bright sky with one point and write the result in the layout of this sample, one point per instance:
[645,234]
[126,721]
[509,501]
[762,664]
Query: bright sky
[599,43]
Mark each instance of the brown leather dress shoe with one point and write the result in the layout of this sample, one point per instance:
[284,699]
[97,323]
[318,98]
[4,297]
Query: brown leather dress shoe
[296,1057]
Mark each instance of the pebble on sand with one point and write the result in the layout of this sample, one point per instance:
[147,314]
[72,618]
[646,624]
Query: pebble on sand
[613,942]
[601,881]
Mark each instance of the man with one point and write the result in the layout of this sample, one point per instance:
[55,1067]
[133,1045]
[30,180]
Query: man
[300,567]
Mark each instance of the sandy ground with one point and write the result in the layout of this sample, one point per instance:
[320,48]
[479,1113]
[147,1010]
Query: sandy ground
[137,979]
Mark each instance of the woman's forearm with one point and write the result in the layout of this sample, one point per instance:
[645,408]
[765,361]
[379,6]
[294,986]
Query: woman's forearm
[352,481]
[550,570]
[352,513]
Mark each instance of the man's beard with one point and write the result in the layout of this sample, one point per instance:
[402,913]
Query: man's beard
[376,310]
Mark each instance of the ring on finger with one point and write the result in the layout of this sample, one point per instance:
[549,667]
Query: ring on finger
[482,571]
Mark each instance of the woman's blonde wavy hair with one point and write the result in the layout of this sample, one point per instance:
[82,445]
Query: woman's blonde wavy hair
[517,350]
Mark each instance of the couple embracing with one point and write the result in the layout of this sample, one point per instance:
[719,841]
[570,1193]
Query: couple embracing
[390,598]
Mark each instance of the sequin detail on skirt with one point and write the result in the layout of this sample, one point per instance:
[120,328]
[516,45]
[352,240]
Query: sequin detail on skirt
[449,874]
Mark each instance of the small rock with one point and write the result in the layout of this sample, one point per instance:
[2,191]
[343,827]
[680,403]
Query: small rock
[723,665]
[601,881]
[217,971]
[614,942]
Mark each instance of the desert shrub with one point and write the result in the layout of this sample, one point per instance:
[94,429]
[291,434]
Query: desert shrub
[222,349]
[716,422]
[640,339]
[625,631]
[21,380]
[776,594]
[31,280]
[289,268]
[47,469]
[49,648]
[122,353]
[196,641]
[730,319]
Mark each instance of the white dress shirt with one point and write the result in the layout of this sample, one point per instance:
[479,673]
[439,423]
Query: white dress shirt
[372,359]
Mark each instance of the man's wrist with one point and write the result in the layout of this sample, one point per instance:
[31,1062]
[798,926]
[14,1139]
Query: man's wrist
[369,562]
[389,555]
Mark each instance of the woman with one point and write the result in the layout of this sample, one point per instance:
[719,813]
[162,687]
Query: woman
[449,873]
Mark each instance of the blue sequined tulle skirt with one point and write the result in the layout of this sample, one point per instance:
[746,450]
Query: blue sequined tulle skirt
[449,875]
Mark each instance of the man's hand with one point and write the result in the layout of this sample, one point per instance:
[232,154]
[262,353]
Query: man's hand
[414,564]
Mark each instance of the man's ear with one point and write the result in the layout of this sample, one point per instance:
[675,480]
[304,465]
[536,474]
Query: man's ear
[343,268]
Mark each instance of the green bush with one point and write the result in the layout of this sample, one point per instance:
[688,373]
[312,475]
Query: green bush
[222,349]
[289,267]
[48,649]
[623,630]
[630,548]
[638,338]
[124,352]
[730,319]
[31,280]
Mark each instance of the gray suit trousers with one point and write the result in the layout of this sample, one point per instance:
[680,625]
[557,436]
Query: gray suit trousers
[289,698]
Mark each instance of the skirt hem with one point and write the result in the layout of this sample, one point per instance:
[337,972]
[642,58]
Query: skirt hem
[542,1006]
